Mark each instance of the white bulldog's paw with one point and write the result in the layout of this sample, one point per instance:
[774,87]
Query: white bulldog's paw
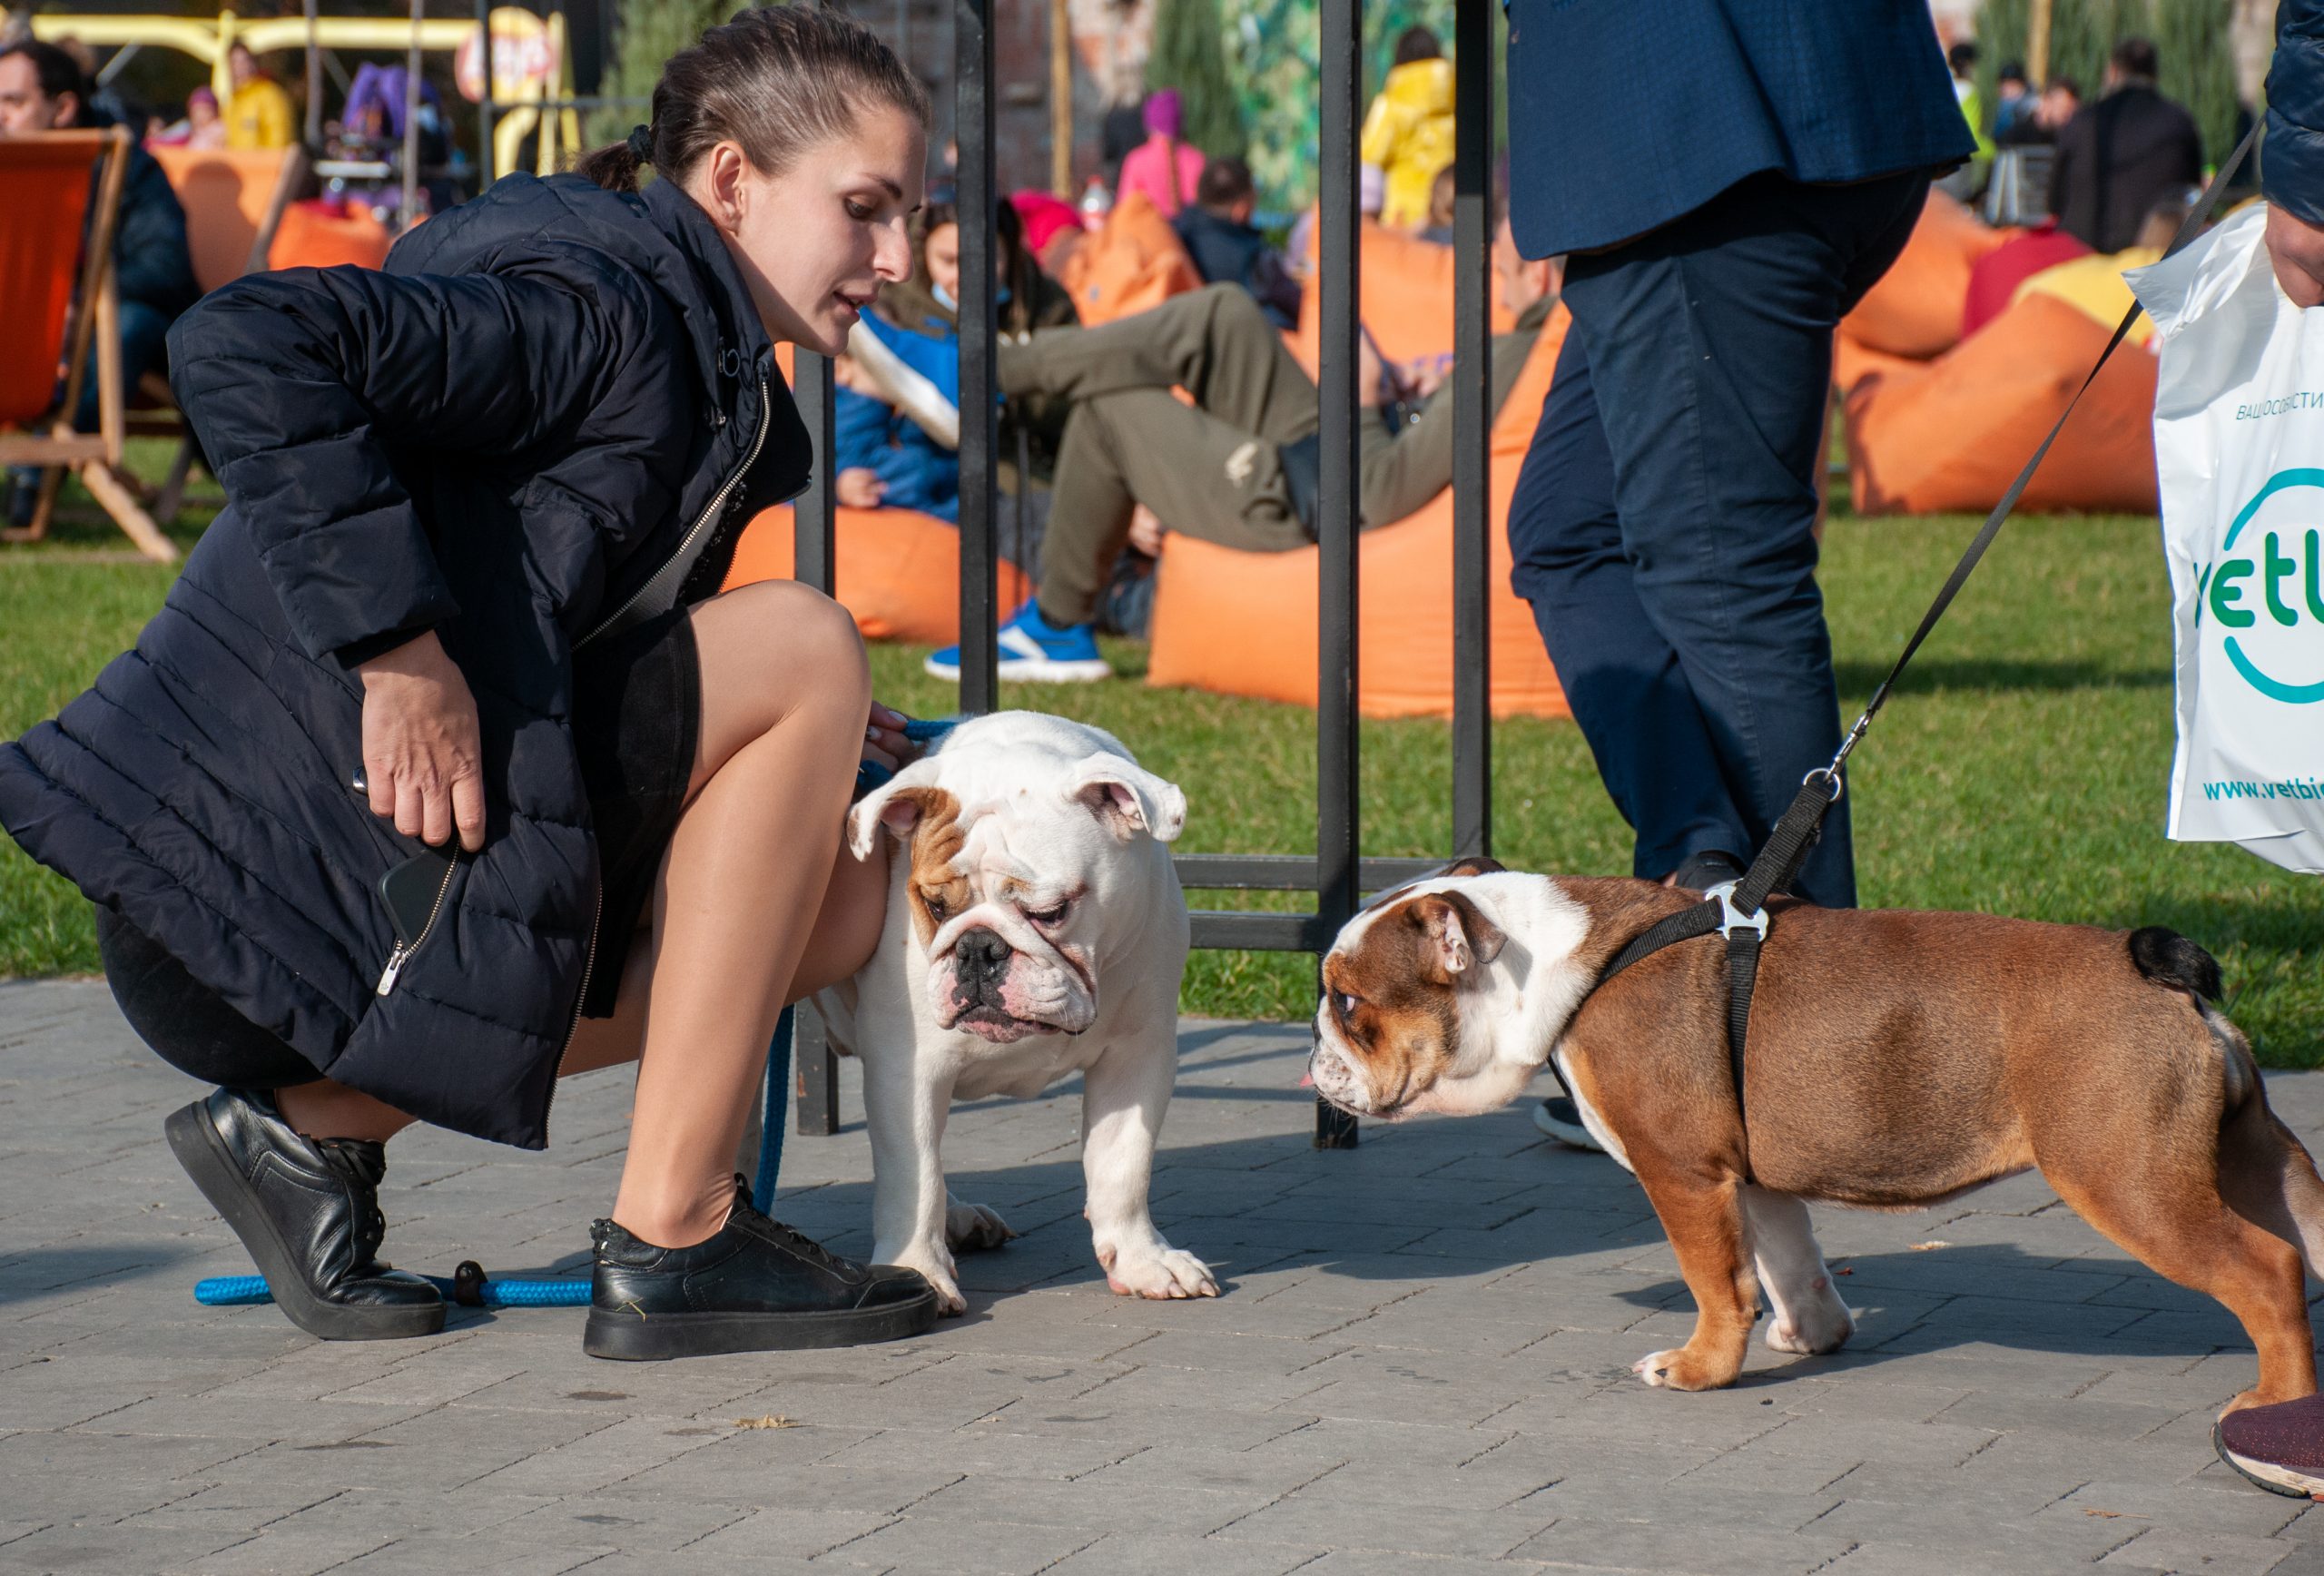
[1161,1272]
[1820,1327]
[935,1267]
[974,1229]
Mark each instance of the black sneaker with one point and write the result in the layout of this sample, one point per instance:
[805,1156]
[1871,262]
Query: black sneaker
[1560,1118]
[756,1285]
[307,1211]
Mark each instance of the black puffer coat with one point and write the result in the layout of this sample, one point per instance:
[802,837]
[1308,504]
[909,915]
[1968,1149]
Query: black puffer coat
[502,438]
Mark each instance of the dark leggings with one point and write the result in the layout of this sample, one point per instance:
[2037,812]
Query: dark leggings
[184,1021]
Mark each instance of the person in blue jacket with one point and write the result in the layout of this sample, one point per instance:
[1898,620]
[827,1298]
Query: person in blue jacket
[882,458]
[445,770]
[1727,178]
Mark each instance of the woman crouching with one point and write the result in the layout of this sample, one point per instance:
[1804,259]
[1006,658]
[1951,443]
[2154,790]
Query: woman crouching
[464,599]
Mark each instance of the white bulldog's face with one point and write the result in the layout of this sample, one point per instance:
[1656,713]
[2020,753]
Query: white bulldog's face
[1008,883]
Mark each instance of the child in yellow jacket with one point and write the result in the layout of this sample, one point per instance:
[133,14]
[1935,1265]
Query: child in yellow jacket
[1408,133]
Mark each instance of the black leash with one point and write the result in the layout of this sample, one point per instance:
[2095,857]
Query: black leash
[1737,909]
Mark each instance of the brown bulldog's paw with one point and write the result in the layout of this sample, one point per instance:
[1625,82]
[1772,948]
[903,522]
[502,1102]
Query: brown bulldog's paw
[1681,1369]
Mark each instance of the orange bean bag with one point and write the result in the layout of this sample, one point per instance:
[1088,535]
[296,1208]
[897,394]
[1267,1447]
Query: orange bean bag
[224,193]
[1853,361]
[898,571]
[323,234]
[1404,296]
[1244,622]
[1954,434]
[1133,262]
[1916,309]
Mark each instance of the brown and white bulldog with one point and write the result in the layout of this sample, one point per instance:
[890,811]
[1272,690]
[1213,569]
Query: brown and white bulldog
[1894,1059]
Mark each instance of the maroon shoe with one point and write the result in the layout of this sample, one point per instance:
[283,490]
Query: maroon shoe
[2279,1447]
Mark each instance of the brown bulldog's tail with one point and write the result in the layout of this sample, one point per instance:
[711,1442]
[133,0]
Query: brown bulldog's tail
[2170,960]
[2265,1173]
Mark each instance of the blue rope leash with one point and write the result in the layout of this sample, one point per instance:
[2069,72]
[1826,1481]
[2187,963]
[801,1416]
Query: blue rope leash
[225,1291]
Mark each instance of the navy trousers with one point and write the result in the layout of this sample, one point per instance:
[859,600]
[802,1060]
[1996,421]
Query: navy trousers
[1663,524]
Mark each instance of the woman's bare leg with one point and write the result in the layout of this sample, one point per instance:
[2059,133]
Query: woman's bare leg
[786,694]
[846,930]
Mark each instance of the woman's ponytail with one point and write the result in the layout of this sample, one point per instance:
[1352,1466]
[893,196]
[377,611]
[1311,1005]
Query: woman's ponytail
[615,165]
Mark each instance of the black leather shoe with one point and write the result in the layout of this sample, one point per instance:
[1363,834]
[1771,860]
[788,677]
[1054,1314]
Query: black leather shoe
[755,1286]
[1712,867]
[307,1209]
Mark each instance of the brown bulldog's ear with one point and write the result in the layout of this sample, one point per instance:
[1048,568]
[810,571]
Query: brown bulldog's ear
[1455,937]
[1470,864]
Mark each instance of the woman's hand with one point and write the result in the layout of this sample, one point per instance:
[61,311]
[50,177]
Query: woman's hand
[421,758]
[1147,531]
[884,741]
[860,487]
[2295,248]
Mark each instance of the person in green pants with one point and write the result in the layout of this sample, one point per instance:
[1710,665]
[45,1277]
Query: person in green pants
[1239,467]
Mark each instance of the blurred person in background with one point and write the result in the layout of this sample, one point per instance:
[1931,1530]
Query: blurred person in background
[1163,167]
[2119,157]
[260,114]
[1228,247]
[2014,101]
[1408,130]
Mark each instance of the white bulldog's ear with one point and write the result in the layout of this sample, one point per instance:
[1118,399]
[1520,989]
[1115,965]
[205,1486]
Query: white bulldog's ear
[898,804]
[1128,798]
[1456,936]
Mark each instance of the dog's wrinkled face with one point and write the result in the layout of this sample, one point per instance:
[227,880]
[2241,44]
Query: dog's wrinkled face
[1008,888]
[1404,1025]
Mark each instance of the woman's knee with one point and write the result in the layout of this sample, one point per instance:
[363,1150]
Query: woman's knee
[783,629]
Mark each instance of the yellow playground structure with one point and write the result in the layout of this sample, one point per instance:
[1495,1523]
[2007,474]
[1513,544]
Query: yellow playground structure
[532,77]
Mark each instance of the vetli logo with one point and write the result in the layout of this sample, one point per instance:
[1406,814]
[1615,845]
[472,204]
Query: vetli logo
[2284,581]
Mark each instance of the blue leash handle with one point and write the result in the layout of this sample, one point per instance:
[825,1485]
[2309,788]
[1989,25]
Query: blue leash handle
[223,1291]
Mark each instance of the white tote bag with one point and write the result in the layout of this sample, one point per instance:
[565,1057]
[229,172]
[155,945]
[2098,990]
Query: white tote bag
[2239,440]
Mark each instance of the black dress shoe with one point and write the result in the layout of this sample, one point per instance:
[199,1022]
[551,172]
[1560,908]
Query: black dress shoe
[1709,868]
[307,1209]
[757,1285]
[1560,1118]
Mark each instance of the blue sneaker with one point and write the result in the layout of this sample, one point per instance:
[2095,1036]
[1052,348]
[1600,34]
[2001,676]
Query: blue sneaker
[1032,650]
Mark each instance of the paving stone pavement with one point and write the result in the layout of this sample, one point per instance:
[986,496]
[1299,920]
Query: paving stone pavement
[1420,1365]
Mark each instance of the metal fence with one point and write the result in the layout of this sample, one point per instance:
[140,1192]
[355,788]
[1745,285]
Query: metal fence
[1336,873]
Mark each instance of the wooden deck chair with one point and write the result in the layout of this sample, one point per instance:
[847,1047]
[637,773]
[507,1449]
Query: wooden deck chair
[234,200]
[44,186]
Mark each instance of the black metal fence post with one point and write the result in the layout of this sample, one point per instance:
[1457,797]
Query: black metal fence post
[484,105]
[1339,274]
[980,330]
[814,562]
[1472,430]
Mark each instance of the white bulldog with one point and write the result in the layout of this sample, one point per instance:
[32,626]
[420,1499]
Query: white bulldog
[1035,928]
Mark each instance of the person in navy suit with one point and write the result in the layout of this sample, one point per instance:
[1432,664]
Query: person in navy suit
[1727,178]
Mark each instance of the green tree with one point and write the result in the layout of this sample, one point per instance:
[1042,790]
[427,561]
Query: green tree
[647,32]
[1189,55]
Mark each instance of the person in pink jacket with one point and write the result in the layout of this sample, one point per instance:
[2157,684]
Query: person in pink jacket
[1146,168]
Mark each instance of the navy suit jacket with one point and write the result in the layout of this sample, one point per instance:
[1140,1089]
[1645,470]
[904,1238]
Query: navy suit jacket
[1624,114]
[2292,162]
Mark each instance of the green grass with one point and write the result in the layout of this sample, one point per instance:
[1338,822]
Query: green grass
[2021,769]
